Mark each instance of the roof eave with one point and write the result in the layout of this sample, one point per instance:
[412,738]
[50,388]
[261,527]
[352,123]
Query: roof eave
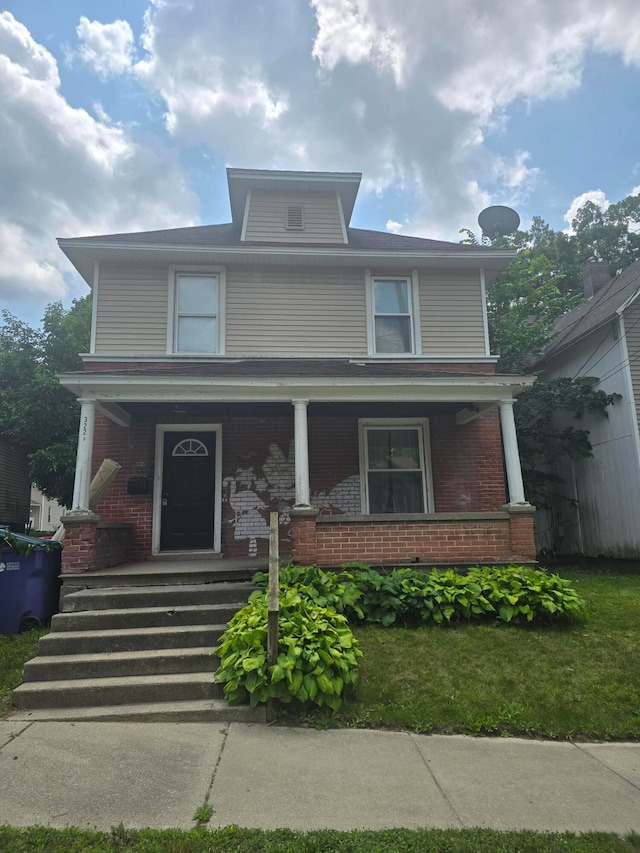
[115,388]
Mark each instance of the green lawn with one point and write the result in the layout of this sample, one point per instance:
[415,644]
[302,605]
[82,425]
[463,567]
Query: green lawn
[581,682]
[14,651]
[236,840]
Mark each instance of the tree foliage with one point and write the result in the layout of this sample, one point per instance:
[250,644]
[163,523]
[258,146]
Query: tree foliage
[542,283]
[547,417]
[36,412]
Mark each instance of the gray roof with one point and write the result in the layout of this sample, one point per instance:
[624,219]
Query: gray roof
[289,368]
[594,312]
[228,234]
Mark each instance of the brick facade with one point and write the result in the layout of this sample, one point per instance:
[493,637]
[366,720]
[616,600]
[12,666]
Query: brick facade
[90,544]
[468,473]
[258,477]
[421,541]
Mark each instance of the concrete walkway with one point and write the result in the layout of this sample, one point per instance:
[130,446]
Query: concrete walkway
[157,774]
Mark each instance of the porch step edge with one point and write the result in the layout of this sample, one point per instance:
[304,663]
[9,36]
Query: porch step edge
[188,711]
[129,639]
[143,617]
[135,689]
[69,667]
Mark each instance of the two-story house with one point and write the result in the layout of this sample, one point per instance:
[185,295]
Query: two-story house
[286,361]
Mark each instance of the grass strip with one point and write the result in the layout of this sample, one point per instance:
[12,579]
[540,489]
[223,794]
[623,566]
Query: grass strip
[236,840]
[15,650]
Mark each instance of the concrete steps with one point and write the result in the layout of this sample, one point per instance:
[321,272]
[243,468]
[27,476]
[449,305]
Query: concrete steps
[169,596]
[120,664]
[143,617]
[85,692]
[129,639]
[187,711]
[136,651]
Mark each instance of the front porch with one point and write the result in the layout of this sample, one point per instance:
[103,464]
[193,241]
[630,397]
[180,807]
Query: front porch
[417,466]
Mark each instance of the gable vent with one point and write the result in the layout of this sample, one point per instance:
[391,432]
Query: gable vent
[295,217]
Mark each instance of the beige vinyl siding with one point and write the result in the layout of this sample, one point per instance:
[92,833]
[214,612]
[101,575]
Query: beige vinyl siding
[286,312]
[451,318]
[267,218]
[132,311]
[632,333]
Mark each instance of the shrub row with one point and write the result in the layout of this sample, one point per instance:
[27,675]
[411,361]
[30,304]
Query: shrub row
[496,593]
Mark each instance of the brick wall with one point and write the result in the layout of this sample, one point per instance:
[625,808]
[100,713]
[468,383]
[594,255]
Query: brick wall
[258,472]
[522,538]
[466,461]
[404,541]
[91,545]
[133,448]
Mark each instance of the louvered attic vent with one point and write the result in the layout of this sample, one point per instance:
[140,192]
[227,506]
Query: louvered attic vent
[295,217]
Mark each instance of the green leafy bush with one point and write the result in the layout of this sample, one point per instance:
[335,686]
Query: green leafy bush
[325,588]
[317,654]
[519,593]
[498,593]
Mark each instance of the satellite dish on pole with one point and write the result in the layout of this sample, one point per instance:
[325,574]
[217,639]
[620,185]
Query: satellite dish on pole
[498,221]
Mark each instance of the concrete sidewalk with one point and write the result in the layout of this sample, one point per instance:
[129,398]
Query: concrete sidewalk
[157,774]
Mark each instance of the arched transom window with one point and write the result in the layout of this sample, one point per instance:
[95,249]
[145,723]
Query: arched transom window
[190,447]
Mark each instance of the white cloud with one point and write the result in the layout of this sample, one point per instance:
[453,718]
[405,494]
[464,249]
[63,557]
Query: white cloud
[515,174]
[65,173]
[347,31]
[597,197]
[394,227]
[407,93]
[107,48]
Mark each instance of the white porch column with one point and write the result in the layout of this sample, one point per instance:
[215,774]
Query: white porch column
[85,452]
[511,454]
[301,441]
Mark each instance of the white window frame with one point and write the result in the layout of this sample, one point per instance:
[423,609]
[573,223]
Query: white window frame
[172,308]
[414,313]
[424,444]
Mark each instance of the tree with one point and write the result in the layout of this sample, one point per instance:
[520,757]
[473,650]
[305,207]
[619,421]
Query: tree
[36,412]
[546,435]
[542,283]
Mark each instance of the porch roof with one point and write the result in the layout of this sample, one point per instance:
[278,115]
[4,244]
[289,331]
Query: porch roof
[281,380]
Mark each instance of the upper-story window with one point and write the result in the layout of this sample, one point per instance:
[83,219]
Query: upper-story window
[393,315]
[197,306]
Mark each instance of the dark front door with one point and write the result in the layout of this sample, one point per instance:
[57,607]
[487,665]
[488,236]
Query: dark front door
[186,521]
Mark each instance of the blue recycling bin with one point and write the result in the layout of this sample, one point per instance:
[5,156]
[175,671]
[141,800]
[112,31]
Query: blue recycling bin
[29,582]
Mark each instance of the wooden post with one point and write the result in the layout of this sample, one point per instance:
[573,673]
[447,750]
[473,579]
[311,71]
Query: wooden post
[273,603]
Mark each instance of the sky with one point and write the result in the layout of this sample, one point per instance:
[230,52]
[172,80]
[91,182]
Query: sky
[123,116]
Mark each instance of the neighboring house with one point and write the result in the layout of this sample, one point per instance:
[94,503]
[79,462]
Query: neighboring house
[286,361]
[601,338]
[14,487]
[45,513]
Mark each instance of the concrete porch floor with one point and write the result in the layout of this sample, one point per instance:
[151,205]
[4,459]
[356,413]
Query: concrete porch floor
[184,565]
